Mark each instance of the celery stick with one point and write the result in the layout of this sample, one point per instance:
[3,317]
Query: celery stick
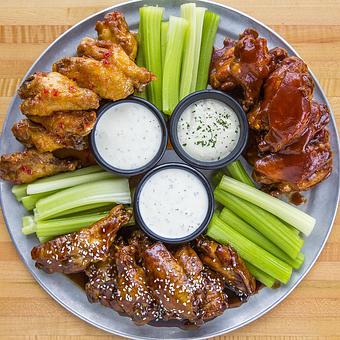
[151,18]
[66,225]
[264,222]
[216,178]
[188,12]
[252,253]
[28,225]
[200,11]
[19,191]
[238,172]
[282,210]
[140,60]
[164,40]
[209,31]
[105,191]
[44,239]
[30,201]
[253,235]
[261,276]
[172,64]
[38,188]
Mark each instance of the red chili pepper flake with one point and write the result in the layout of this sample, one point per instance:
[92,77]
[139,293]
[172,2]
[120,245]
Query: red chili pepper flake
[107,54]
[46,91]
[55,93]
[106,62]
[26,169]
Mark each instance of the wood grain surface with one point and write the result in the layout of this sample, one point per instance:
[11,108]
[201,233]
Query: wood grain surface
[312,311]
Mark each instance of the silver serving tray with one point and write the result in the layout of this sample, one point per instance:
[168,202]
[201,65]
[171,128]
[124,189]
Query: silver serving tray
[322,201]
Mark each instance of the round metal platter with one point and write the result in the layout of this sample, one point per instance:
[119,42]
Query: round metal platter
[322,201]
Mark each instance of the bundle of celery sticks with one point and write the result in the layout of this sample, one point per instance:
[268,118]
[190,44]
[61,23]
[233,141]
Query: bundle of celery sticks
[66,202]
[264,230]
[177,51]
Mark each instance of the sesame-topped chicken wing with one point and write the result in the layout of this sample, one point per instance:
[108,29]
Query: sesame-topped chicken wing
[115,28]
[225,261]
[64,123]
[105,68]
[169,284]
[119,282]
[34,135]
[74,252]
[45,93]
[29,165]
[244,64]
[207,286]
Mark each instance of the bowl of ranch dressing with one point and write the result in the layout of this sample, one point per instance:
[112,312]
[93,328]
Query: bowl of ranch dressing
[129,137]
[173,203]
[208,129]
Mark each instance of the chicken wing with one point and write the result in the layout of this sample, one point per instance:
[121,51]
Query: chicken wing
[27,166]
[74,252]
[225,261]
[169,284]
[64,123]
[45,93]
[106,69]
[286,110]
[206,285]
[115,29]
[244,64]
[34,135]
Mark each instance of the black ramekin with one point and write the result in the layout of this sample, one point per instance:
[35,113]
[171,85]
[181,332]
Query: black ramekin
[209,94]
[101,161]
[205,222]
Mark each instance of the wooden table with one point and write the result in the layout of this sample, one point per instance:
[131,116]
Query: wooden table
[27,27]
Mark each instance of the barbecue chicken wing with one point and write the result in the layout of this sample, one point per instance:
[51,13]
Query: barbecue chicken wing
[115,29]
[29,165]
[244,64]
[34,135]
[225,261]
[105,68]
[64,123]
[289,147]
[45,93]
[285,111]
[73,253]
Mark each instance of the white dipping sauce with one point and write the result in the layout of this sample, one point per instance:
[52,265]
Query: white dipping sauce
[208,130]
[173,203]
[128,136]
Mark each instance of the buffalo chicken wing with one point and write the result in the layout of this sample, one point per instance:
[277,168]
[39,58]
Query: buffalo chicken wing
[115,29]
[105,68]
[45,93]
[29,165]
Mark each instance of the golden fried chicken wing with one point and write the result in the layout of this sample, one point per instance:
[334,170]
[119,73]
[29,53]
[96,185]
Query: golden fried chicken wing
[29,165]
[225,261]
[84,157]
[45,93]
[34,135]
[106,69]
[115,29]
[244,64]
[73,253]
[63,123]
